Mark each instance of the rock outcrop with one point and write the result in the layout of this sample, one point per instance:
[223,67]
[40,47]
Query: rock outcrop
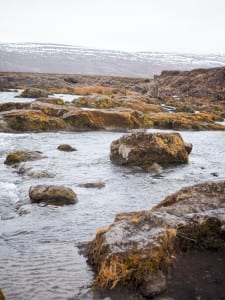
[138,249]
[52,195]
[144,149]
[22,156]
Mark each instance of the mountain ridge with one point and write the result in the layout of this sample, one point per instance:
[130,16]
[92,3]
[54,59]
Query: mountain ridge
[60,58]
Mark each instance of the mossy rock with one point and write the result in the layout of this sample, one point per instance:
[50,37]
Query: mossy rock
[144,149]
[21,156]
[138,249]
[52,195]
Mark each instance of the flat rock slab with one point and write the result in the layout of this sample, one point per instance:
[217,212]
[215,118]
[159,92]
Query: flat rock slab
[52,194]
[144,149]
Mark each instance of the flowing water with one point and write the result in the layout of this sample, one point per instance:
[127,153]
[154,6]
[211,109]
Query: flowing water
[39,257]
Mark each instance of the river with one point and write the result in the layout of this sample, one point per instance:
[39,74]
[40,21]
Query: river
[39,256]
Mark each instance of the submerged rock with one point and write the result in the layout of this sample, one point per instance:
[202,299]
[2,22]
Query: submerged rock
[52,194]
[138,249]
[66,148]
[145,149]
[95,185]
[21,156]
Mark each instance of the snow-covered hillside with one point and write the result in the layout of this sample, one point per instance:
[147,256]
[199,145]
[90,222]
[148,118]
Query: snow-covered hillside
[54,58]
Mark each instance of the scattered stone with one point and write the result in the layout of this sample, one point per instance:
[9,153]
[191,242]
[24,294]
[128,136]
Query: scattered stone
[52,194]
[139,248]
[215,174]
[144,149]
[21,156]
[95,185]
[66,148]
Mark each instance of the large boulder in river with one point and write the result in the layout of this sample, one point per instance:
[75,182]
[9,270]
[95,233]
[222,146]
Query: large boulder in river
[33,93]
[52,194]
[144,149]
[21,156]
[138,249]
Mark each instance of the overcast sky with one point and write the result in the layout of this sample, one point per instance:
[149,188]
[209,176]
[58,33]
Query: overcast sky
[196,26]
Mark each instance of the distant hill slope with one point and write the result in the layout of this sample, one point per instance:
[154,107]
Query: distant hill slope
[54,58]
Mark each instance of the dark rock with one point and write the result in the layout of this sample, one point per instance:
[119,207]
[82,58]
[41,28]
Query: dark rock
[52,194]
[66,148]
[215,174]
[95,185]
[188,147]
[153,285]
[145,149]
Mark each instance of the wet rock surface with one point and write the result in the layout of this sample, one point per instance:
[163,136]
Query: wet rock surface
[145,149]
[66,148]
[93,185]
[52,195]
[22,156]
[139,248]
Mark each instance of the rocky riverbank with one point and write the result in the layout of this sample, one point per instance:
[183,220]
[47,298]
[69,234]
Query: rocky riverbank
[139,249]
[147,250]
[173,100]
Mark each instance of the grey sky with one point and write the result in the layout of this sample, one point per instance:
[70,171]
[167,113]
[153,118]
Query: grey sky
[157,25]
